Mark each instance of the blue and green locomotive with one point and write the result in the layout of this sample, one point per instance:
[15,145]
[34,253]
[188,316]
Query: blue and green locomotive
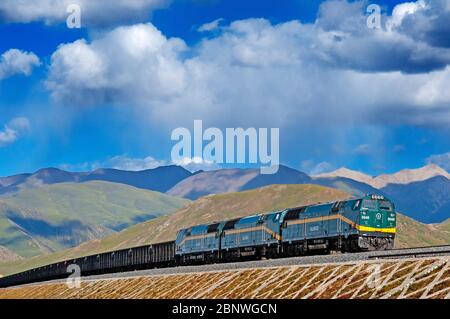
[366,223]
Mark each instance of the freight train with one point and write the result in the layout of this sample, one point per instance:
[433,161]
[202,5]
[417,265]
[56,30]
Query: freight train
[358,224]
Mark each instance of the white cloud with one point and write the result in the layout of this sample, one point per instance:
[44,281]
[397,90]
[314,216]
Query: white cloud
[402,10]
[197,163]
[128,62]
[13,130]
[15,61]
[124,162]
[442,160]
[210,26]
[97,13]
[425,21]
[334,72]
[363,149]
[313,168]
[127,163]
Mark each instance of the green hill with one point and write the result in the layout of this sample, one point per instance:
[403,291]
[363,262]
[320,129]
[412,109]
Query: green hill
[59,216]
[225,206]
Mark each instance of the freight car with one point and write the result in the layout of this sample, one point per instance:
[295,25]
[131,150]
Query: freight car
[366,223]
[143,257]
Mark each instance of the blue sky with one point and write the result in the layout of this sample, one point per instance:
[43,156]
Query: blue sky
[110,93]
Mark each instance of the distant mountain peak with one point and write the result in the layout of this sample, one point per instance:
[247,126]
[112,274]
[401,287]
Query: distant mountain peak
[172,166]
[234,180]
[342,170]
[404,176]
[407,176]
[434,168]
[348,173]
[49,170]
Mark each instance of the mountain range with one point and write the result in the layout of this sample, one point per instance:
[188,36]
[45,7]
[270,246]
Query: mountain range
[234,180]
[405,176]
[422,193]
[159,179]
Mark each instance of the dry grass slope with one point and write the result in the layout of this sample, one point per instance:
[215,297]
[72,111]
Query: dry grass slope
[411,233]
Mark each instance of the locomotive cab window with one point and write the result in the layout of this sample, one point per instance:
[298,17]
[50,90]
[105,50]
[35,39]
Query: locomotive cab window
[262,219]
[386,205]
[370,204]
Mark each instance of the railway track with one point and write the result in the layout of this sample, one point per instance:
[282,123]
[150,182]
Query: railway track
[412,252]
[403,253]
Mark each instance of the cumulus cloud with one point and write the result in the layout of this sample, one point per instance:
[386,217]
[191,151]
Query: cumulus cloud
[210,26]
[331,72]
[442,160]
[13,130]
[96,13]
[124,162]
[403,10]
[15,61]
[425,21]
[344,40]
[128,62]
[195,164]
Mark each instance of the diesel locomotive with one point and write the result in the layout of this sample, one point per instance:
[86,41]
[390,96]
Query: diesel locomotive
[366,223]
[358,224]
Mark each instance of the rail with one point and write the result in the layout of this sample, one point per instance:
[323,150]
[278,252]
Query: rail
[416,252]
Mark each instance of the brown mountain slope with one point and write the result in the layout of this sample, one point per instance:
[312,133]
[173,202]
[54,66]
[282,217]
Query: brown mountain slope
[231,205]
[407,176]
[234,180]
[348,173]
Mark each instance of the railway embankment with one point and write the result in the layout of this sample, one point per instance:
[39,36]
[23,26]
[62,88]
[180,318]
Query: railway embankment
[420,277]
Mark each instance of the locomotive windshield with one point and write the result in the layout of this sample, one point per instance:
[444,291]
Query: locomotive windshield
[370,204]
[386,205]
